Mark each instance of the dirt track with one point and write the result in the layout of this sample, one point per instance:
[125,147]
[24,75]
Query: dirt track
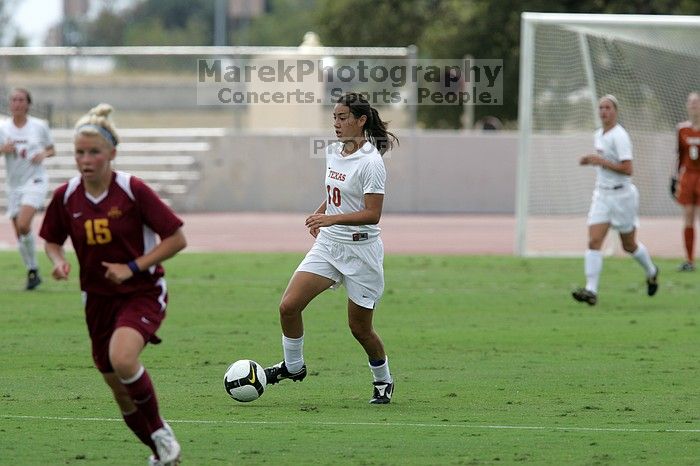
[414,234]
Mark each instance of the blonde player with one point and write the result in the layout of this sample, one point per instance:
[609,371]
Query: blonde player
[615,202]
[121,232]
[688,192]
[26,142]
[348,247]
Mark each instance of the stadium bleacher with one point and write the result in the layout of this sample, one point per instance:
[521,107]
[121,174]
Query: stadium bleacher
[166,158]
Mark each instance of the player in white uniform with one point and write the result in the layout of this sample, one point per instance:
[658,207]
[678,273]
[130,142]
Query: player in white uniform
[25,142]
[615,202]
[348,248]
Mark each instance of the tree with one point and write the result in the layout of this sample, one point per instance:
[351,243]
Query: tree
[284,24]
[7,31]
[488,29]
[153,31]
[106,30]
[371,23]
[151,22]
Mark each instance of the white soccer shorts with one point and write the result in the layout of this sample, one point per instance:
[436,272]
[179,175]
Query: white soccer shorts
[359,266]
[618,207]
[32,193]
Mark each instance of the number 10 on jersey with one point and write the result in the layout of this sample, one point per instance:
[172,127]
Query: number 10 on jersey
[333,195]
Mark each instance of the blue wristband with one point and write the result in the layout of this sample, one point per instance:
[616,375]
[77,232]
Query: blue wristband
[133,267]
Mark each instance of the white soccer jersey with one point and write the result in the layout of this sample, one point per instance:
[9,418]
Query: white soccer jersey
[348,179]
[614,145]
[29,140]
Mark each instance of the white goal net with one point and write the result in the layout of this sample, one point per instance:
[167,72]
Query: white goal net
[568,61]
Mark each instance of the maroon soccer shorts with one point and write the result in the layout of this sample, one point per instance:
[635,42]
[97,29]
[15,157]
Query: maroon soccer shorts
[689,188]
[143,312]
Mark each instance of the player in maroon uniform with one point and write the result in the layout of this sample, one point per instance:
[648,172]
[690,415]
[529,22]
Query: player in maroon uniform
[688,192]
[113,219]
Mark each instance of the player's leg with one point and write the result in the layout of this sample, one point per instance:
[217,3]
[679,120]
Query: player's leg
[592,264]
[688,196]
[688,238]
[640,253]
[22,223]
[137,321]
[133,418]
[302,288]
[365,285]
[125,346]
[360,323]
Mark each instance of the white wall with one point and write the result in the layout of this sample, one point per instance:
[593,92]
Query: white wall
[430,172]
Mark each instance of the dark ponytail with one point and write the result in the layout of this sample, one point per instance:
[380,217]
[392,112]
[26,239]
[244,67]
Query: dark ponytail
[375,129]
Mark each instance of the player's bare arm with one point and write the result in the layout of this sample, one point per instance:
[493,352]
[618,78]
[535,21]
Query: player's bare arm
[56,254]
[370,215]
[624,167]
[166,249]
[48,151]
[321,210]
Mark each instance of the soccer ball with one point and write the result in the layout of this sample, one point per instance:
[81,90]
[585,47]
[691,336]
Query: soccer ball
[245,380]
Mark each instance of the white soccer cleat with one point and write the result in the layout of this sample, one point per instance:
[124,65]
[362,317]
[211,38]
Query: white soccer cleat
[153,461]
[167,447]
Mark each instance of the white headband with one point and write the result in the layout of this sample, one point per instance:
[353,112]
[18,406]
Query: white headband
[612,99]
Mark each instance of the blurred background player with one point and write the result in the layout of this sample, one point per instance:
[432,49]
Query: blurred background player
[348,247]
[615,202]
[26,142]
[112,219]
[687,191]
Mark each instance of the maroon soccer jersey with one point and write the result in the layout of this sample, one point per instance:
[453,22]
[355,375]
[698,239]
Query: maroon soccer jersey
[119,226]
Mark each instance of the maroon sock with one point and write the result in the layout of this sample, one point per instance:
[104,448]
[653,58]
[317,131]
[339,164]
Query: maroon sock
[138,425]
[689,239]
[143,395]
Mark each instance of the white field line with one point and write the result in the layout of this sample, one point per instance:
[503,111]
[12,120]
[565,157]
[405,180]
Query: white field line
[363,424]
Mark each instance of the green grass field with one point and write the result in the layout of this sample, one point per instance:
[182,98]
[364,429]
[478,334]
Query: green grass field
[494,364]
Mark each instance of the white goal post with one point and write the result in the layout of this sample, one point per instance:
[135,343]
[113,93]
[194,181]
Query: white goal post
[567,62]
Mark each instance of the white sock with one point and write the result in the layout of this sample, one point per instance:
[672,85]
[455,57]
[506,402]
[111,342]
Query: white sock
[592,265]
[642,256]
[293,353]
[28,251]
[381,373]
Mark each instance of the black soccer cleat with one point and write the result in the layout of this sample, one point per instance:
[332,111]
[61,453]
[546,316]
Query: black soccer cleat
[653,283]
[583,295]
[382,393]
[33,279]
[686,267]
[279,372]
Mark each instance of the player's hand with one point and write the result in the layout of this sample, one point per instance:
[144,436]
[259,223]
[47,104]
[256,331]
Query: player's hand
[314,231]
[38,158]
[117,273]
[8,147]
[591,159]
[316,221]
[674,186]
[60,271]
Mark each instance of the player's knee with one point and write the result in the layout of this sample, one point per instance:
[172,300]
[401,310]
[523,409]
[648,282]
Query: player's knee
[629,247]
[595,244]
[289,308]
[23,229]
[125,365]
[360,332]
